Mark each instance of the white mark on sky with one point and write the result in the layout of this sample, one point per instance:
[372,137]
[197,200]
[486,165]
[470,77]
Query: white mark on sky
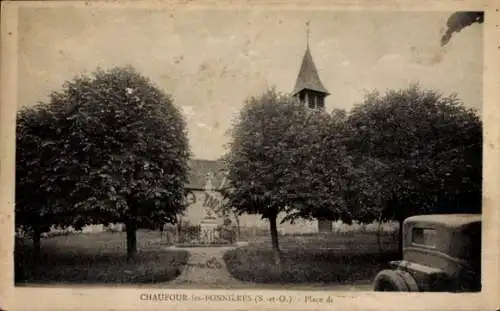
[203,125]
[188,111]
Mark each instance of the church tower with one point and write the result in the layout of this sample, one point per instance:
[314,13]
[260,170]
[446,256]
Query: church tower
[308,87]
[311,92]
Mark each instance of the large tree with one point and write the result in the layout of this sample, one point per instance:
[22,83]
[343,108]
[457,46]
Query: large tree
[420,152]
[108,147]
[278,163]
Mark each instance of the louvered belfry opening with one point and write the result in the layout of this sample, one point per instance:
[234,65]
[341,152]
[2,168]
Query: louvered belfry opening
[308,88]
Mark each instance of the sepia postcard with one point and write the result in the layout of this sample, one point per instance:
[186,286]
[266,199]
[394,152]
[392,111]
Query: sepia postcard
[236,155]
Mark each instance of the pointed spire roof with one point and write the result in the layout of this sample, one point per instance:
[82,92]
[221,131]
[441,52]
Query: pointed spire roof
[308,77]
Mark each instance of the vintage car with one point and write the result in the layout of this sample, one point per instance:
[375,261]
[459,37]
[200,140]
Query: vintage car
[440,253]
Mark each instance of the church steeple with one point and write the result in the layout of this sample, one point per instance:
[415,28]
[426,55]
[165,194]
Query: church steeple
[308,87]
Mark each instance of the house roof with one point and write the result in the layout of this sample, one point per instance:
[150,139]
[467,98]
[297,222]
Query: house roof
[308,77]
[203,172]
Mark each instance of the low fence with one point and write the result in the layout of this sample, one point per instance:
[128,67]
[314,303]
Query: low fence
[340,228]
[190,233]
[193,234]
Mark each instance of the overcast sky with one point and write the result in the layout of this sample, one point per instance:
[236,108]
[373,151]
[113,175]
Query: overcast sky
[210,61]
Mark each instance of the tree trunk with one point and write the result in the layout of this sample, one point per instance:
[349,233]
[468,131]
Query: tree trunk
[274,240]
[162,229]
[238,231]
[131,239]
[36,241]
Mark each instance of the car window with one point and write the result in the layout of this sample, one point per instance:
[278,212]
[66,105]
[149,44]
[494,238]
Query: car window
[423,236]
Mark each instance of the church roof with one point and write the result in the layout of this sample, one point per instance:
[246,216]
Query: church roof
[308,77]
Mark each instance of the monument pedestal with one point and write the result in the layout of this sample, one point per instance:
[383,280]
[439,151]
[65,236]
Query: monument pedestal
[208,230]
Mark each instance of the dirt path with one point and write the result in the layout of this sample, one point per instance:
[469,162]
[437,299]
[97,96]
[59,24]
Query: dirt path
[206,266]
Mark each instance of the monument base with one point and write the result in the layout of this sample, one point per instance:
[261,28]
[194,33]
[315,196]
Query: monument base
[208,230]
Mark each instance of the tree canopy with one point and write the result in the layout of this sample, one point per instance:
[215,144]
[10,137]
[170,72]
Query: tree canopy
[417,152]
[108,147]
[429,148]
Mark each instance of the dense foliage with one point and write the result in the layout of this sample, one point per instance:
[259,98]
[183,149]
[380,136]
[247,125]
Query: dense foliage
[395,155]
[109,147]
[429,148]
[425,150]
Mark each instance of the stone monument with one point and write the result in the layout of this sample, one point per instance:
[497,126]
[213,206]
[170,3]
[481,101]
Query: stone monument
[209,224]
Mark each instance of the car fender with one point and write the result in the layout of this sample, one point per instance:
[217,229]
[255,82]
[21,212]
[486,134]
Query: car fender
[400,280]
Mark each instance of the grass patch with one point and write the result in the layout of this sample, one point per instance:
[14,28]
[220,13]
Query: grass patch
[315,259]
[95,258]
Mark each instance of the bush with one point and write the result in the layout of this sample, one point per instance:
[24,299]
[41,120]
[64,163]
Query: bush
[251,264]
[147,267]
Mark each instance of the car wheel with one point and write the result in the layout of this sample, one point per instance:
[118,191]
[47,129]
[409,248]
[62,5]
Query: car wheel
[390,281]
[384,286]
